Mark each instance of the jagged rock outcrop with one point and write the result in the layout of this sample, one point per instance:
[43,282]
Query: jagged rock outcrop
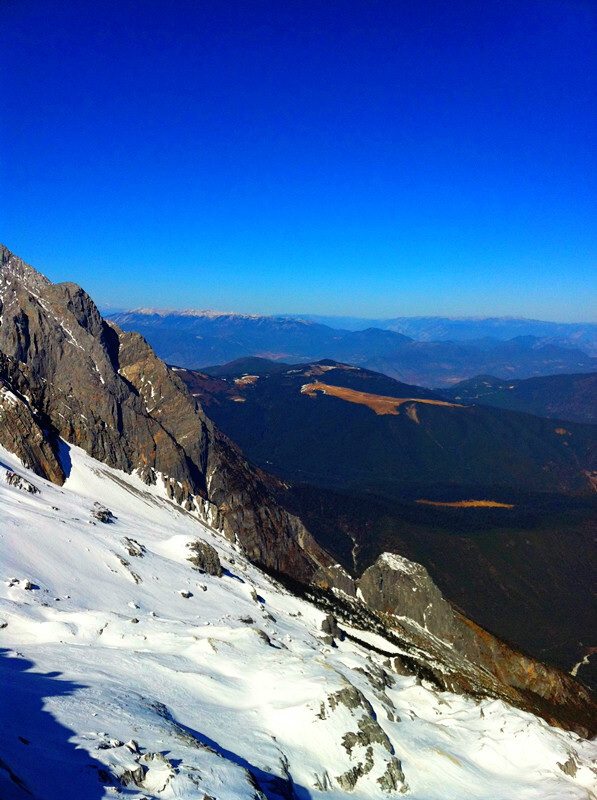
[19,482]
[395,585]
[205,558]
[368,747]
[106,391]
[335,577]
[404,590]
[331,628]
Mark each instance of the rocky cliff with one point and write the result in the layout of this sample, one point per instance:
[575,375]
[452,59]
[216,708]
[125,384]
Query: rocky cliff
[68,373]
[405,595]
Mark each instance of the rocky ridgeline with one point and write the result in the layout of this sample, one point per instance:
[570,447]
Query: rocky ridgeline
[452,652]
[68,373]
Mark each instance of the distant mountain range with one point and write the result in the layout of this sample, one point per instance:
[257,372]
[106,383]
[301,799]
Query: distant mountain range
[441,329]
[196,339]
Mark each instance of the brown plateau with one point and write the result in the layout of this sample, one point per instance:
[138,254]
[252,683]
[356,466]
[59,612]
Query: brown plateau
[377,402]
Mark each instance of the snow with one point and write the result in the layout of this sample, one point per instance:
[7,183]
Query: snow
[188,312]
[110,668]
[8,396]
[399,563]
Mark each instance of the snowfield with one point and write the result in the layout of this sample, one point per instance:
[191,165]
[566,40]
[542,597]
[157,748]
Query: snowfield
[125,671]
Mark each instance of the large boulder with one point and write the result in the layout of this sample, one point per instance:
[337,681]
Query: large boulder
[205,558]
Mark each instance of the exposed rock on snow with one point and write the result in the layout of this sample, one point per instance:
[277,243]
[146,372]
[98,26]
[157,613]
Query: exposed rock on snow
[205,558]
[16,480]
[102,513]
[359,744]
[133,548]
[331,627]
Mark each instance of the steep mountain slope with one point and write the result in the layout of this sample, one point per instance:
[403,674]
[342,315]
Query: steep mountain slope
[524,566]
[71,373]
[567,397]
[402,439]
[195,339]
[527,573]
[130,671]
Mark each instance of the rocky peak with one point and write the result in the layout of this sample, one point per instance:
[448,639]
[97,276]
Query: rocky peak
[14,268]
[106,391]
[405,594]
[395,585]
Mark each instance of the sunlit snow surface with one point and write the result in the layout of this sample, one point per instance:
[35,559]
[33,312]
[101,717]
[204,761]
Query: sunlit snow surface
[194,678]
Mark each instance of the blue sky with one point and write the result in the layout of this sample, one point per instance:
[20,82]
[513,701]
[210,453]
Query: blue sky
[364,158]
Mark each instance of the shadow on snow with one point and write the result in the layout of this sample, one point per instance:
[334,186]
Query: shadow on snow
[272,786]
[37,758]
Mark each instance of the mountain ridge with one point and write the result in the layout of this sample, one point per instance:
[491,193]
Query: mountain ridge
[565,397]
[200,341]
[91,382]
[269,416]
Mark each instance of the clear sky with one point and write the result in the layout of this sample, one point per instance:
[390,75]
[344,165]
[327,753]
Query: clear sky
[370,158]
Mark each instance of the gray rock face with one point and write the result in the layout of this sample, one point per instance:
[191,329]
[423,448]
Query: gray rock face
[335,577]
[471,659]
[22,433]
[331,627]
[397,586]
[105,391]
[205,558]
[393,778]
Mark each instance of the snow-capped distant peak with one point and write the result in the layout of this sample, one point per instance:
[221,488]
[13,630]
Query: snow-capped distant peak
[207,313]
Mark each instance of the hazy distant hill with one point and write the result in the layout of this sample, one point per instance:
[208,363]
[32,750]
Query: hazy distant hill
[195,339]
[575,334]
[567,397]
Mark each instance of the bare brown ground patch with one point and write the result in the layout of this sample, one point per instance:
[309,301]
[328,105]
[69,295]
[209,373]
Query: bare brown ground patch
[246,380]
[319,369]
[467,504]
[377,402]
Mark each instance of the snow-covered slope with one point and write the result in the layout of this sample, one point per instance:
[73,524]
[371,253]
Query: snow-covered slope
[125,670]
